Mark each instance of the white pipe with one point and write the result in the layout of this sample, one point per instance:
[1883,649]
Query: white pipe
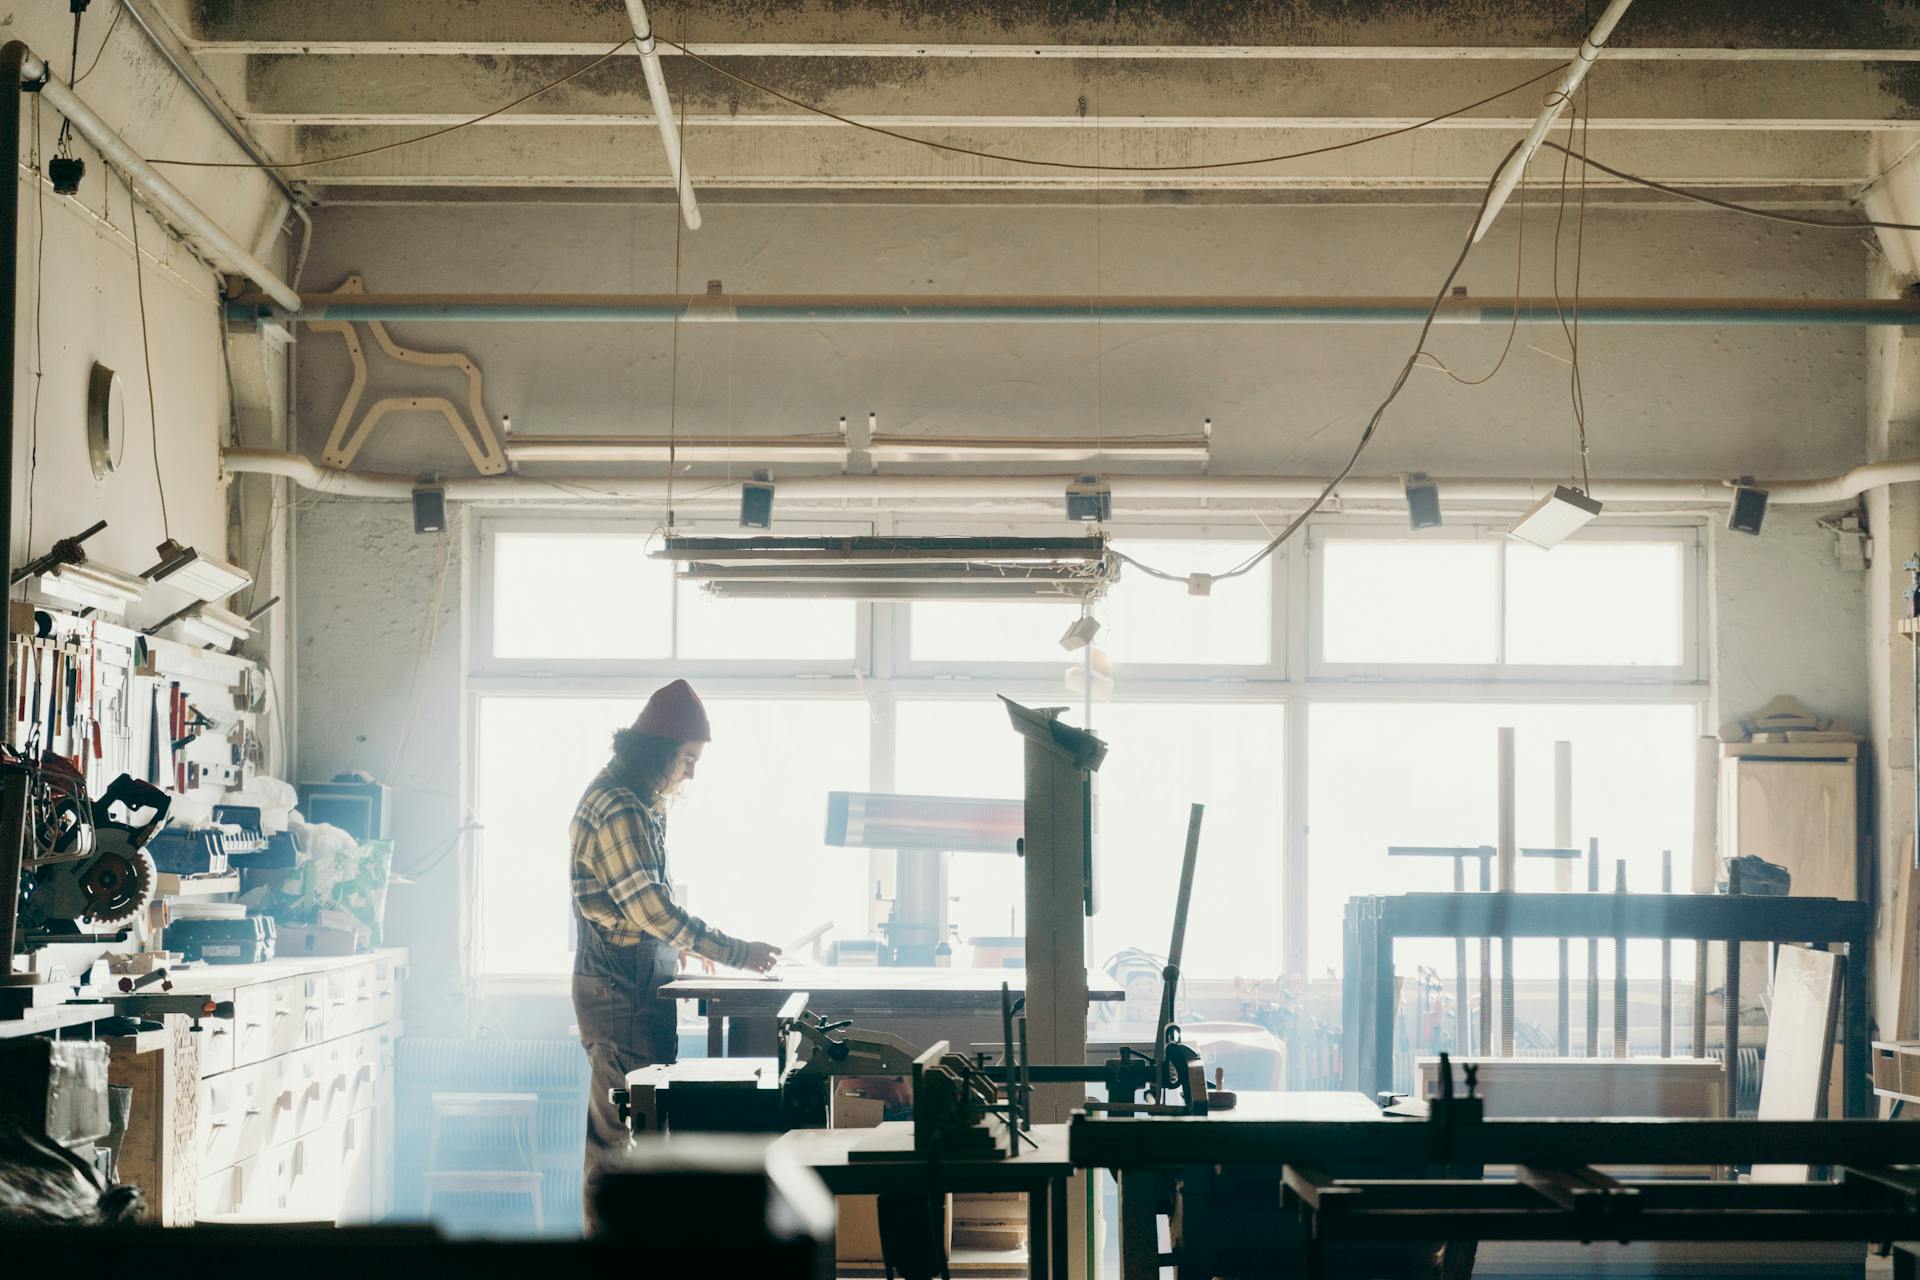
[981,488]
[1583,60]
[201,231]
[663,110]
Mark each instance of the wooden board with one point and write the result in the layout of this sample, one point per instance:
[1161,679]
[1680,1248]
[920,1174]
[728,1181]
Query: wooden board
[862,983]
[1806,1000]
[1592,1088]
[1905,909]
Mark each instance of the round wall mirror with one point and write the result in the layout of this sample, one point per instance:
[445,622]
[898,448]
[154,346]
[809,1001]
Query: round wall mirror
[106,420]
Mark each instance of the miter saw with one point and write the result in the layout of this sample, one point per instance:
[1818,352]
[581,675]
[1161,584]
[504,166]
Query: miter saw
[84,869]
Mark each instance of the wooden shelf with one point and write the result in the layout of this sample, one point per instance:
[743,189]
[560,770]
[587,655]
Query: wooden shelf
[172,886]
[1907,626]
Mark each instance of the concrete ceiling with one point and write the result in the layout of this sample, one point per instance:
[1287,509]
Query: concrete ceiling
[1789,102]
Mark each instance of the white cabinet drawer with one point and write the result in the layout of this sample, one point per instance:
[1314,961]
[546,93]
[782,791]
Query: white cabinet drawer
[237,1114]
[252,1023]
[219,1194]
[216,1044]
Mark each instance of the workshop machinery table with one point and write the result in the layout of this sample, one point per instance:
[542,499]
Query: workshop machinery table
[1040,1171]
[920,1005]
[1373,924]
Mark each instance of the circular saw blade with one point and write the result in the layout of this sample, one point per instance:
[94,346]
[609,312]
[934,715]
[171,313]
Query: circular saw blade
[117,886]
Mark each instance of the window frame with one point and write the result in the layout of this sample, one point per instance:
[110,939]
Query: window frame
[1276,569]
[882,674]
[486,666]
[1690,673]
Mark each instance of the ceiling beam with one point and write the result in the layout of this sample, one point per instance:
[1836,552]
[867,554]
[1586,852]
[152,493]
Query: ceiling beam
[409,89]
[1466,28]
[840,157]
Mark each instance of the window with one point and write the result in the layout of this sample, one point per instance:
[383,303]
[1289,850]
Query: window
[1401,773]
[1145,621]
[580,595]
[1164,757]
[1481,605]
[753,816]
[1378,729]
[594,595]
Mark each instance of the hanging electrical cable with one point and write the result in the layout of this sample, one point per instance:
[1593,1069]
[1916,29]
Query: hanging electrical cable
[441,132]
[1373,422]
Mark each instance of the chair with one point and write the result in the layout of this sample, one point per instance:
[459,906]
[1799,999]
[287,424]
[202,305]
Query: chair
[516,1111]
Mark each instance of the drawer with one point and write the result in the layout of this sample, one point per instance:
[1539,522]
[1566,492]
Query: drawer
[294,1010]
[219,1194]
[337,1019]
[337,1072]
[266,1182]
[305,1082]
[252,1023]
[367,1054]
[216,1044]
[238,1114]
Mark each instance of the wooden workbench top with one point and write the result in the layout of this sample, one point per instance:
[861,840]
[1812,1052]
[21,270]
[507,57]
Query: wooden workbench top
[224,979]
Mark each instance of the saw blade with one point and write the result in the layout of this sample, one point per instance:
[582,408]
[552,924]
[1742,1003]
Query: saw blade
[117,886]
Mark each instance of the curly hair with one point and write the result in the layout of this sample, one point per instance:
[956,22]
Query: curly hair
[645,759]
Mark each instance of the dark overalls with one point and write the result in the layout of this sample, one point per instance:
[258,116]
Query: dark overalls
[625,1024]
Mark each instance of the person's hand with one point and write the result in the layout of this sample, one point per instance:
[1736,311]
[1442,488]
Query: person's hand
[761,957]
[688,959]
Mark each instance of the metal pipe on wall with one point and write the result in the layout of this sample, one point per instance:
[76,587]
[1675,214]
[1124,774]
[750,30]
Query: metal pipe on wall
[199,229]
[982,488]
[907,308]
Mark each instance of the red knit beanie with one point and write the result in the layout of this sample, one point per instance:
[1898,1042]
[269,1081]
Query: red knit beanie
[674,711]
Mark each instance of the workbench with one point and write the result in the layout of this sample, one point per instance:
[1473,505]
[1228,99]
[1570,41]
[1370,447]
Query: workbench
[1041,1172]
[922,1006]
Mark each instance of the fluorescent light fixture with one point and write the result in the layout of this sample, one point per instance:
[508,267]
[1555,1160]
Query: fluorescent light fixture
[1015,589]
[208,625]
[1549,521]
[810,448]
[197,573]
[88,585]
[916,571]
[917,448]
[1085,549]
[1081,633]
[1423,502]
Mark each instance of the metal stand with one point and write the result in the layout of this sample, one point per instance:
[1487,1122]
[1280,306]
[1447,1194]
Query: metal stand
[1374,923]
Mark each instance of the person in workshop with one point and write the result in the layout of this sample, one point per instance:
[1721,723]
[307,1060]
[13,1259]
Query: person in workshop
[631,933]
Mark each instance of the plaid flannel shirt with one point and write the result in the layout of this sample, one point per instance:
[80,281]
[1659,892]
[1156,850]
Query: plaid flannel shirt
[620,879]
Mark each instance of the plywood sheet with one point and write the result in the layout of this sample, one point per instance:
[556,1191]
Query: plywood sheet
[1806,989]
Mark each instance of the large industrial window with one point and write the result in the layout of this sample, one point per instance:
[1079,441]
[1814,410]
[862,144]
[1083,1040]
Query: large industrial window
[1339,699]
[1475,604]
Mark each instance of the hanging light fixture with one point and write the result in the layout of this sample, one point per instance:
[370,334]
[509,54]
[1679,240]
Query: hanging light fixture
[206,625]
[880,568]
[1550,521]
[90,585]
[200,575]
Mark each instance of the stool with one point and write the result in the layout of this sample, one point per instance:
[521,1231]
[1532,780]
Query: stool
[517,1109]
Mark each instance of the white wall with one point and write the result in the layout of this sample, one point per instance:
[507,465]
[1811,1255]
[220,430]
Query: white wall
[77,294]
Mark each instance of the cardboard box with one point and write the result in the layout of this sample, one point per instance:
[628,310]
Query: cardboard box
[857,1227]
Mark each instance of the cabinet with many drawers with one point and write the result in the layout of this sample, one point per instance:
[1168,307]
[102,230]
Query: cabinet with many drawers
[286,1110]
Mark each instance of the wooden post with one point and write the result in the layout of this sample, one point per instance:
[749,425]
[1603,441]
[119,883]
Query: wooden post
[1508,854]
